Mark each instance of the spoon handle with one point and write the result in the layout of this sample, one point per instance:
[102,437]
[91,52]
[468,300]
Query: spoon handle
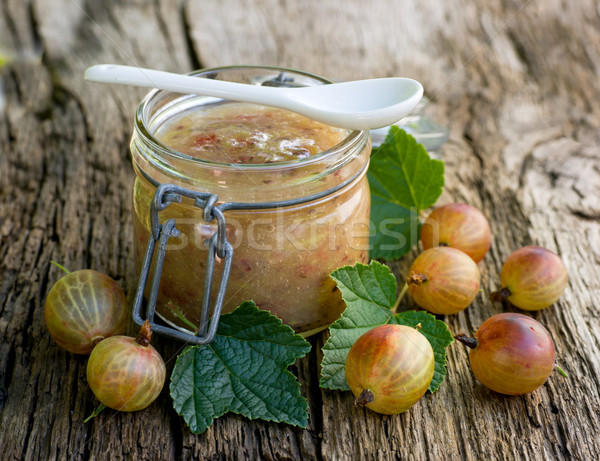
[129,75]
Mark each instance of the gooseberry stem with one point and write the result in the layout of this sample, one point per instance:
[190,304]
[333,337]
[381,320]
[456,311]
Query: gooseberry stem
[97,339]
[561,371]
[181,316]
[416,279]
[60,266]
[366,397]
[501,295]
[143,337]
[95,413]
[468,341]
[400,297]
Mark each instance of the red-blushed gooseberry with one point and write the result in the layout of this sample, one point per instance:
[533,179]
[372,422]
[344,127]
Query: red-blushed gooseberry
[511,353]
[389,368]
[126,373]
[459,226]
[443,280]
[532,278]
[84,307]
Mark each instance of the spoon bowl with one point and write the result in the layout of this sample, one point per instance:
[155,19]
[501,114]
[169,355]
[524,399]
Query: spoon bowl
[357,105]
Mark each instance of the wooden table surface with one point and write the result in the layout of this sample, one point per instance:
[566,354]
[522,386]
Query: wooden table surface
[517,84]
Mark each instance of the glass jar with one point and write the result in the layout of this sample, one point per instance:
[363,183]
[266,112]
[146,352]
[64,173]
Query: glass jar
[282,256]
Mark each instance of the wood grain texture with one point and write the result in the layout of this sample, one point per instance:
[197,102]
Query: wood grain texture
[515,81]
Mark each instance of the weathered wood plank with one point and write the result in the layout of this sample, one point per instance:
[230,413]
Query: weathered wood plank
[516,82]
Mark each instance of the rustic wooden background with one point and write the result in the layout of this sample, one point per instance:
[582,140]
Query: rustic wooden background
[516,82]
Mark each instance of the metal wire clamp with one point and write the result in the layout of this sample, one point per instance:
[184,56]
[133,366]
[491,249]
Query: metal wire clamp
[217,245]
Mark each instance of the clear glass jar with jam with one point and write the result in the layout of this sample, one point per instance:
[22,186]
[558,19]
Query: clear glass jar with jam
[252,154]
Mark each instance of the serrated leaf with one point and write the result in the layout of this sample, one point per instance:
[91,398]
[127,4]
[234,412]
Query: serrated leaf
[243,370]
[402,172]
[366,309]
[395,229]
[364,285]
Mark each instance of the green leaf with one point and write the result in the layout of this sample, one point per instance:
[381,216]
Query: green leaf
[363,285]
[395,229]
[369,292]
[243,370]
[402,172]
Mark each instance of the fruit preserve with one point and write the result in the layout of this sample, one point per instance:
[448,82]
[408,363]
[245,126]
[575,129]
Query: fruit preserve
[251,154]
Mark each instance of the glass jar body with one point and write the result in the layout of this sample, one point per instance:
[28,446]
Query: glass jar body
[282,256]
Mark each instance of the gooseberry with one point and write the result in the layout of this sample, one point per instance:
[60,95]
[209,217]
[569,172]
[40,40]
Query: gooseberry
[84,307]
[126,373]
[389,368]
[443,280]
[459,226]
[532,278]
[511,353]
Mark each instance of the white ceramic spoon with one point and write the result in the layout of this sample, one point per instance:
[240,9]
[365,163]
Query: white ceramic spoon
[359,105]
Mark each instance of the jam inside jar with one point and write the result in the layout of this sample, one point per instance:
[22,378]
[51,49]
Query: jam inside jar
[245,153]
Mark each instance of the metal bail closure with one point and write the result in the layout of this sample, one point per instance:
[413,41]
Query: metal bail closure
[218,246]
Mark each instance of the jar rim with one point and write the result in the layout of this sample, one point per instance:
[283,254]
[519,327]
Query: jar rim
[143,128]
